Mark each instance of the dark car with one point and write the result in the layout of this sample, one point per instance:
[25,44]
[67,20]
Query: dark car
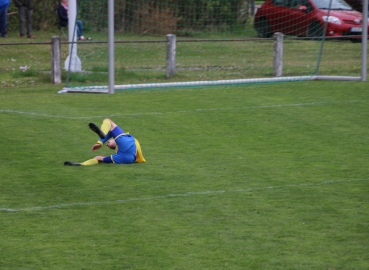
[308,18]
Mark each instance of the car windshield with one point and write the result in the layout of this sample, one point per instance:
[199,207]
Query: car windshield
[332,4]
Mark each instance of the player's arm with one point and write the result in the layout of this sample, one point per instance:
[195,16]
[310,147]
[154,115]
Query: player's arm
[96,146]
[100,158]
[101,142]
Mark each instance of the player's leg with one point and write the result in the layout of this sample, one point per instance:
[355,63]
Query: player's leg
[71,163]
[97,130]
[106,126]
[92,161]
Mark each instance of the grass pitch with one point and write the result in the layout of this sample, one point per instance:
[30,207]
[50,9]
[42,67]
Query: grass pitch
[247,177]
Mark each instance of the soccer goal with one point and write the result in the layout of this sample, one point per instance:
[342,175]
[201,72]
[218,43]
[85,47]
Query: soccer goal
[139,44]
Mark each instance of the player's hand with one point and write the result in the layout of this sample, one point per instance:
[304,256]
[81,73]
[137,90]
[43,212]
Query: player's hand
[96,146]
[100,158]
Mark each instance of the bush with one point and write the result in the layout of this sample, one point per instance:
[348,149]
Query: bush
[185,15]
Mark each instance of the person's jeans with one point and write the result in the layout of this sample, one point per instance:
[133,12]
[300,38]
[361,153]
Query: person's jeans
[3,21]
[79,27]
[25,15]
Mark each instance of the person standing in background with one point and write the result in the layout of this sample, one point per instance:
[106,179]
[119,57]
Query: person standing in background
[4,4]
[25,10]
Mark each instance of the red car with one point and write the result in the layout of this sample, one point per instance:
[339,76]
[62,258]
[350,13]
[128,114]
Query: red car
[308,18]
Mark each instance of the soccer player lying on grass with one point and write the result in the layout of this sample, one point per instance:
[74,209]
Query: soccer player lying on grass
[127,148]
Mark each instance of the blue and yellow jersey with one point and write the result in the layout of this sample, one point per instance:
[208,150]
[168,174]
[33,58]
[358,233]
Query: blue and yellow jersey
[128,149]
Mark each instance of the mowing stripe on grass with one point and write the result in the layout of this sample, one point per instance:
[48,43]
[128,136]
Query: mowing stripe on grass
[65,205]
[184,111]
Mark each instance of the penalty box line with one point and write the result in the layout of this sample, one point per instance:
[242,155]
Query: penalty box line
[317,103]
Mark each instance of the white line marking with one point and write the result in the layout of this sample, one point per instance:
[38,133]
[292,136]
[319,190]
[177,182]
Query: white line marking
[65,205]
[184,111]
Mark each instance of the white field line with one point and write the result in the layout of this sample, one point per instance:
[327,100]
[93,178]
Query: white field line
[188,194]
[182,111]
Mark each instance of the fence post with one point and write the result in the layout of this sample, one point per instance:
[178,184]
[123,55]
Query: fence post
[55,60]
[171,55]
[278,54]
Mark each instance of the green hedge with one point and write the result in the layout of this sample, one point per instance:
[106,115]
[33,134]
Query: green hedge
[186,14]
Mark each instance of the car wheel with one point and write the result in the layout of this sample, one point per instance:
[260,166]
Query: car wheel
[315,30]
[263,28]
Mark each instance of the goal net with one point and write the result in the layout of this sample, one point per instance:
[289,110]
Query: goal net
[215,42]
